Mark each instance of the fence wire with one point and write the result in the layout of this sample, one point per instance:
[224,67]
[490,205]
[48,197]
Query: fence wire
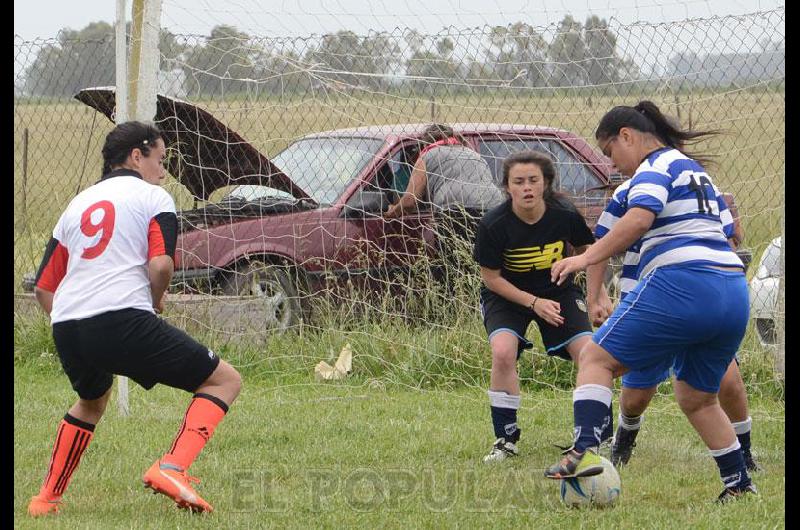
[256,259]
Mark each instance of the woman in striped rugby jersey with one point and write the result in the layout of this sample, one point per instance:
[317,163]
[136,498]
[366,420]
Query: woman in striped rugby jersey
[639,386]
[690,305]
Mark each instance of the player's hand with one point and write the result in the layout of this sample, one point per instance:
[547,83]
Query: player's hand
[392,212]
[563,268]
[549,311]
[599,311]
[159,306]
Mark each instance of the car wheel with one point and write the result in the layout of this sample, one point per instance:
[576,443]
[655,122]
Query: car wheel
[268,295]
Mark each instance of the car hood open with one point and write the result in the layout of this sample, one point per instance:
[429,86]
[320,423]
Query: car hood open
[210,155]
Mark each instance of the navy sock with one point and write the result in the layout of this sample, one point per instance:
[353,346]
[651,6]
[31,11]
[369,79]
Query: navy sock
[504,415]
[742,430]
[730,462]
[608,432]
[744,441]
[591,406]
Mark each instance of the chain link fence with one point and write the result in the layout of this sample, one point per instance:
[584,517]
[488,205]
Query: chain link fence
[249,240]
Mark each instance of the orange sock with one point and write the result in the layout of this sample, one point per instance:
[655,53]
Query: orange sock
[72,439]
[202,416]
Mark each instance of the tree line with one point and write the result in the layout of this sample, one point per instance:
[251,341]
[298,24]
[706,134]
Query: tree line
[231,61]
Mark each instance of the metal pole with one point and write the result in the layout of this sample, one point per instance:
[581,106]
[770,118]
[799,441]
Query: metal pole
[121,116]
[25,179]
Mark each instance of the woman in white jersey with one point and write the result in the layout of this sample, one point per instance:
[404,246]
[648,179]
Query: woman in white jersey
[102,279]
[690,305]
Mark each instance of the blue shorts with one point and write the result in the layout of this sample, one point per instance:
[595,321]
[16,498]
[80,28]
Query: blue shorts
[650,377]
[690,317]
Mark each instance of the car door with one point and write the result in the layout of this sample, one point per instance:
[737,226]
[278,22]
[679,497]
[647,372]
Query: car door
[388,248]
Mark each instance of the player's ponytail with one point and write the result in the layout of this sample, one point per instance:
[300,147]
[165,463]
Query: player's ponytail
[646,117]
[126,137]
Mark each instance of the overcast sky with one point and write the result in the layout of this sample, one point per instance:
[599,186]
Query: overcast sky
[43,18]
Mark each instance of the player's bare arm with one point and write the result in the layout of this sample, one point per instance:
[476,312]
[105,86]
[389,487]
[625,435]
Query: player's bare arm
[45,299]
[160,269]
[549,310]
[416,186]
[597,300]
[630,228]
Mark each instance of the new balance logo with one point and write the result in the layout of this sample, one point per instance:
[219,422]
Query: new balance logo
[530,258]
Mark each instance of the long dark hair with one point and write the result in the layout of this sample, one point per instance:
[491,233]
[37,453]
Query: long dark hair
[551,196]
[126,137]
[646,117]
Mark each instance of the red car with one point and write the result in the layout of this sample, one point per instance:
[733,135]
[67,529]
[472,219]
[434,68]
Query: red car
[312,213]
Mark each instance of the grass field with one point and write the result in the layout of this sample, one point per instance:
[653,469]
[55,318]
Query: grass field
[399,443]
[296,454]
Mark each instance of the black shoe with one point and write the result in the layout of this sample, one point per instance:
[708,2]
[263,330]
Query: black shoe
[751,464]
[621,449]
[730,494]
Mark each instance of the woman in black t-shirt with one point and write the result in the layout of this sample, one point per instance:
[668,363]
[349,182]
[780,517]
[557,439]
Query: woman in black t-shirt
[517,243]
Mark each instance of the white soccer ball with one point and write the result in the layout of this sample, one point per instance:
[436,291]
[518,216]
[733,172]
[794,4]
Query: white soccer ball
[598,490]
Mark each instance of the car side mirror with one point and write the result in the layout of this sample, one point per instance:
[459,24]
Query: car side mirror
[364,203]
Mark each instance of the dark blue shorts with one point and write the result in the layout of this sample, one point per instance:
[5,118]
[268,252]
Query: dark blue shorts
[690,317]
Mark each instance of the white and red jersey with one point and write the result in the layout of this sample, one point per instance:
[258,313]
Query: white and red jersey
[97,259]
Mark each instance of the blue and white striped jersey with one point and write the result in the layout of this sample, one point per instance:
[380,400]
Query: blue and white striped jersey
[613,212]
[720,215]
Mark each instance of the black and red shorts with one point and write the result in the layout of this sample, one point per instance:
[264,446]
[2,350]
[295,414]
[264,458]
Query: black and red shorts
[133,343]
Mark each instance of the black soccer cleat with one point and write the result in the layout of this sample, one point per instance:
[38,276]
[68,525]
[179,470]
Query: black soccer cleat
[751,464]
[622,448]
[729,494]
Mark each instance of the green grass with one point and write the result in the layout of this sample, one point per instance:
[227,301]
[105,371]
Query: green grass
[295,453]
[414,416]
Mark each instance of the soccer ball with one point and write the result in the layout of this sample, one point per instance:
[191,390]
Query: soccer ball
[598,490]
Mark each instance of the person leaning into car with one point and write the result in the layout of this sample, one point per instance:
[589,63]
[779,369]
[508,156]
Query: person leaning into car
[447,173]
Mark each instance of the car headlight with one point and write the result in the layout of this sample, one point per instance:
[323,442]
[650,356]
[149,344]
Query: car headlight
[770,265]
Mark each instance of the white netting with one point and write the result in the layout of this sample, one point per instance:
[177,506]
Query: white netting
[328,270]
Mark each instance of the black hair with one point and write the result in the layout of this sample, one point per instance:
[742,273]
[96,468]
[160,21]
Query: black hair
[126,137]
[551,196]
[646,117]
[439,131]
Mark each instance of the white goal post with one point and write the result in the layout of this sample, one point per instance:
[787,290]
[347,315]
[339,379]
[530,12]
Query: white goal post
[137,81]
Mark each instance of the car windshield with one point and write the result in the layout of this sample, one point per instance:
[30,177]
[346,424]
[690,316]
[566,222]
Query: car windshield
[324,167]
